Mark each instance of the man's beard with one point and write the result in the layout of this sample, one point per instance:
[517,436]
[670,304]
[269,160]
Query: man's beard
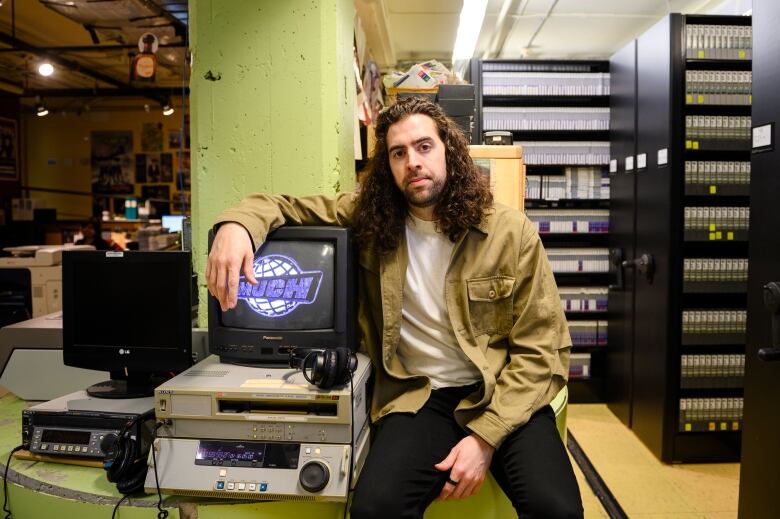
[425,198]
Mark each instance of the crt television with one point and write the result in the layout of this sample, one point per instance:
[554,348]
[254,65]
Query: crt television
[128,313]
[305,297]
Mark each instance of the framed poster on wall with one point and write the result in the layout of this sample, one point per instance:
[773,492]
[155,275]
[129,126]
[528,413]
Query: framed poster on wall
[112,161]
[9,158]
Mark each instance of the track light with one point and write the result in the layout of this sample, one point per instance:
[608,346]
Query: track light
[40,108]
[45,69]
[167,109]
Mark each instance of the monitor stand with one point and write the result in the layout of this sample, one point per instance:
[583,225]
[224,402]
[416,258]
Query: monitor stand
[134,385]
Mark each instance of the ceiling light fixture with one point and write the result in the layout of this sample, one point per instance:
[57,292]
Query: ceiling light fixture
[41,110]
[167,109]
[45,69]
[471,17]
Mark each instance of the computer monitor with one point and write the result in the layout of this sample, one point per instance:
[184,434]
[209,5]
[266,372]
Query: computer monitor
[128,313]
[305,297]
[172,222]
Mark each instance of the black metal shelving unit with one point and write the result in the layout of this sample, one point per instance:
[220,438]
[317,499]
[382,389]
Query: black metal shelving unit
[591,387]
[654,158]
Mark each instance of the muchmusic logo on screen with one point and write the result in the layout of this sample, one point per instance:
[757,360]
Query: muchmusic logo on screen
[281,286]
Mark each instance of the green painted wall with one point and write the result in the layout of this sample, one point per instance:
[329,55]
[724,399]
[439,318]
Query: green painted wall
[272,102]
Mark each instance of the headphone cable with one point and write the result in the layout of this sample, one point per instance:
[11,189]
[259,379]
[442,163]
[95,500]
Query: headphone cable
[6,508]
[116,507]
[161,514]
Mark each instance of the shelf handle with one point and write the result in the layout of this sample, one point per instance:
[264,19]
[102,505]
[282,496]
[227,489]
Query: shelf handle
[772,304]
[644,264]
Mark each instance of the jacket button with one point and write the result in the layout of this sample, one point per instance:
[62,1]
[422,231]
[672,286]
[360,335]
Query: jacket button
[492,294]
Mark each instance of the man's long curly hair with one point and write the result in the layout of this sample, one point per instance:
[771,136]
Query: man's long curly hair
[382,208]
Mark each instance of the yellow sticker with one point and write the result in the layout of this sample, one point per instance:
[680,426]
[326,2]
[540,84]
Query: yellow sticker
[700,54]
[735,426]
[711,426]
[712,227]
[713,190]
[730,236]
[688,427]
[724,426]
[689,99]
[695,145]
[750,99]
[718,235]
[741,54]
[712,236]
[700,100]
[688,145]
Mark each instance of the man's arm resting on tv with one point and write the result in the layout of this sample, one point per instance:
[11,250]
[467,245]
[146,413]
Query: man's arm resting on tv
[240,230]
[230,252]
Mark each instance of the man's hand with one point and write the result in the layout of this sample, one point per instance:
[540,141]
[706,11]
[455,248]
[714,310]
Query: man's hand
[230,251]
[468,462]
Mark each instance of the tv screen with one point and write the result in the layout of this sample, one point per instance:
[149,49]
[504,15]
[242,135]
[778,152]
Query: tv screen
[305,297]
[121,303]
[294,290]
[128,313]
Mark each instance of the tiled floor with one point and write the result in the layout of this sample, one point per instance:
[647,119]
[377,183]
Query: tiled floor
[645,487]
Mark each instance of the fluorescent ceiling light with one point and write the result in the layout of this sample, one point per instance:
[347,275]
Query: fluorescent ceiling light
[471,17]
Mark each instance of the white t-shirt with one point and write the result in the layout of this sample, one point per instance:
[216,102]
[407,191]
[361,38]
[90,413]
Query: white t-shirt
[428,345]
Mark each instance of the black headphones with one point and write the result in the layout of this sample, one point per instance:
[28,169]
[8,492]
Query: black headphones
[125,459]
[324,368]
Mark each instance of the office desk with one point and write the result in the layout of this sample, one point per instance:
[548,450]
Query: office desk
[38,490]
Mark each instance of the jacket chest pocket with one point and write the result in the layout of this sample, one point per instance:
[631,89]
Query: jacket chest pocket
[490,304]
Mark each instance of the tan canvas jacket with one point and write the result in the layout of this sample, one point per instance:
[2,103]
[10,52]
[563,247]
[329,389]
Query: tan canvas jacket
[501,297]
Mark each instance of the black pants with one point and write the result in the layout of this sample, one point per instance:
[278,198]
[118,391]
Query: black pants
[399,478]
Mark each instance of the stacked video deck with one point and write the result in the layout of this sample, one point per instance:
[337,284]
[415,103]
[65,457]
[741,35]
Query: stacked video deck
[258,433]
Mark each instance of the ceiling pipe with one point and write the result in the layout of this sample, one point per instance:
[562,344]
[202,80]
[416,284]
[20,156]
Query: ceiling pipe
[507,17]
[541,23]
[93,48]
[149,93]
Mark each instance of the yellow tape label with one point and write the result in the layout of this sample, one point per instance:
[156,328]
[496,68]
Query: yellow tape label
[711,426]
[741,54]
[730,236]
[718,235]
[712,227]
[689,99]
[688,145]
[713,190]
[712,236]
[700,100]
[700,54]
[688,427]
[695,145]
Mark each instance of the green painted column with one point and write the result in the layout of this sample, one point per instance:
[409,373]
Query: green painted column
[272,104]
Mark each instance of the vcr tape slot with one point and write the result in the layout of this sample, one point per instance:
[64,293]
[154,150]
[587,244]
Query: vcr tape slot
[308,408]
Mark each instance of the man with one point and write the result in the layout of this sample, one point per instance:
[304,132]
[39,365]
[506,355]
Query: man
[459,313]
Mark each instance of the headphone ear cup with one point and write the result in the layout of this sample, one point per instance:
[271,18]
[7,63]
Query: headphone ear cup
[134,481]
[329,369]
[114,460]
[343,371]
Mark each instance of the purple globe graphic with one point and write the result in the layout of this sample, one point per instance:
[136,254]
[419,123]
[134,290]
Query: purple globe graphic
[273,266]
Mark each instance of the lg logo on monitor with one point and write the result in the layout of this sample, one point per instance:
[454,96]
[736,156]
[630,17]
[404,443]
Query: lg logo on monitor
[123,351]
